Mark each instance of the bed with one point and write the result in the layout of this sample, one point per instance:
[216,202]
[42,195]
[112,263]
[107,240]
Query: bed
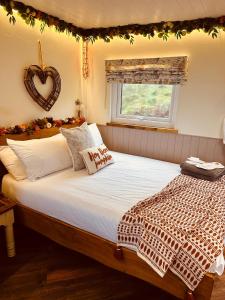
[94,206]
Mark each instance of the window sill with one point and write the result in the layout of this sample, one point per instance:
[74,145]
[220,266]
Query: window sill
[157,129]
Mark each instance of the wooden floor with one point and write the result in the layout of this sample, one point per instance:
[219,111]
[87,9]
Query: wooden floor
[44,270]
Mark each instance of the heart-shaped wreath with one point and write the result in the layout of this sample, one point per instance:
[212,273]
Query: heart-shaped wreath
[34,70]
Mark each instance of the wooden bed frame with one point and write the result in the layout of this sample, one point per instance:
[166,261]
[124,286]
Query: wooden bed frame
[102,250]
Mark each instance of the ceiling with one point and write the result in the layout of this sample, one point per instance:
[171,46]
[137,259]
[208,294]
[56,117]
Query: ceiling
[105,13]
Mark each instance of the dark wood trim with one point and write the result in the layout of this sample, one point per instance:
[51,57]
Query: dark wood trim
[5,204]
[103,251]
[148,128]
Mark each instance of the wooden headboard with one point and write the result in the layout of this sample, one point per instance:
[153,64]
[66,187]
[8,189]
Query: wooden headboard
[42,133]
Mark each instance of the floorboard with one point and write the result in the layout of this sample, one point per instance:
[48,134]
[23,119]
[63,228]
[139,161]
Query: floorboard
[44,270]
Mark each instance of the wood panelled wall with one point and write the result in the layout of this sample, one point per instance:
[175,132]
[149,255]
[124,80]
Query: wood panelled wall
[170,147]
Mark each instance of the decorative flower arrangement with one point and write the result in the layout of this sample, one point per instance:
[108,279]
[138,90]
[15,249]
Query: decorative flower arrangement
[38,124]
[79,108]
[163,30]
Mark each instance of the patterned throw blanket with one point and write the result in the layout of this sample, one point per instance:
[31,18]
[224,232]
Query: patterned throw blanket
[181,228]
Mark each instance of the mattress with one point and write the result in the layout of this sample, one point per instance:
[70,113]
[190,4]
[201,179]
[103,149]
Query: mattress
[96,203]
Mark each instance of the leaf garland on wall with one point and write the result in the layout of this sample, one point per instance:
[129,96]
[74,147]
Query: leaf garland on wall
[210,26]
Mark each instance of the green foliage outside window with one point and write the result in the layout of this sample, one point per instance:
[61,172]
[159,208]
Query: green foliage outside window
[148,100]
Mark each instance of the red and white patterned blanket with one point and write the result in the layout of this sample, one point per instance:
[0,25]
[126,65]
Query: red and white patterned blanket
[181,228]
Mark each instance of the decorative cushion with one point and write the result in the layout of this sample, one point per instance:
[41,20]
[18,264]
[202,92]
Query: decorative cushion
[78,139]
[42,156]
[95,134]
[12,163]
[96,158]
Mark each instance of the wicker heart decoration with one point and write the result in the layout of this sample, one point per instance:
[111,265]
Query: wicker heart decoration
[45,103]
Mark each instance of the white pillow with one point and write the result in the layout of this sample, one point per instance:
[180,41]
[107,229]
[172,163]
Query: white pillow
[12,163]
[96,135]
[96,158]
[42,156]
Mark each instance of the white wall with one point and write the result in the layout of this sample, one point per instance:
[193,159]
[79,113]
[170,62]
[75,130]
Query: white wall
[19,49]
[201,106]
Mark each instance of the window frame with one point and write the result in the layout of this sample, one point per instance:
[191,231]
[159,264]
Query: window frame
[117,117]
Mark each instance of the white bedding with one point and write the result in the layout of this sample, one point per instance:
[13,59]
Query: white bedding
[96,203]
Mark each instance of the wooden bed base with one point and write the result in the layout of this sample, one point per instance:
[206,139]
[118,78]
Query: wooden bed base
[106,252]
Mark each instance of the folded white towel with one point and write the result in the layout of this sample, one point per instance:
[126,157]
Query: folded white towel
[195,160]
[203,164]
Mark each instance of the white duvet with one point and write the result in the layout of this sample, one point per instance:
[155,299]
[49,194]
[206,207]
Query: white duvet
[96,203]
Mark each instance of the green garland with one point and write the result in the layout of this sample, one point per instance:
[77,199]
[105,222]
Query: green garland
[211,26]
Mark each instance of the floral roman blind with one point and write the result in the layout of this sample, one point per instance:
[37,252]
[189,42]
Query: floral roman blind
[162,70]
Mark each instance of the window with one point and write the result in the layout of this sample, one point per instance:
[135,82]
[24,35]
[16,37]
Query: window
[146,104]
[144,90]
